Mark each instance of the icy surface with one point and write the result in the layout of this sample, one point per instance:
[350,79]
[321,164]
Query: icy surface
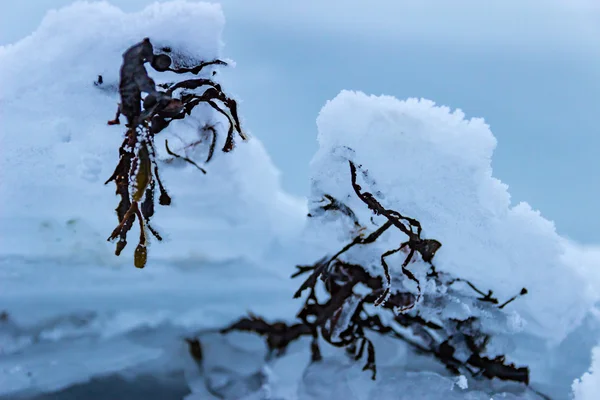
[72,326]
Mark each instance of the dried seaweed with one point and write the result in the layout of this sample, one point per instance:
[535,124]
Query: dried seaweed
[278,334]
[335,205]
[137,173]
[343,318]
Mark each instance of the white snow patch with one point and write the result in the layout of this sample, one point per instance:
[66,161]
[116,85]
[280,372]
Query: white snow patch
[432,164]
[462,382]
[588,386]
[57,149]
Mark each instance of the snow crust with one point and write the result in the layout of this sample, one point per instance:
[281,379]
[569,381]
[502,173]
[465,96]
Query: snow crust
[57,149]
[432,164]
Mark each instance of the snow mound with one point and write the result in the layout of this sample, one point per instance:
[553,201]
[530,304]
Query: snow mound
[430,163]
[588,387]
[57,149]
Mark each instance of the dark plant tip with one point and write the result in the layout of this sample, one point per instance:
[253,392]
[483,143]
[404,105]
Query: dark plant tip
[140,256]
[164,199]
[4,316]
[161,62]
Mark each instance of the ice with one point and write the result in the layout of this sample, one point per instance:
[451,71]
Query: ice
[52,368]
[71,327]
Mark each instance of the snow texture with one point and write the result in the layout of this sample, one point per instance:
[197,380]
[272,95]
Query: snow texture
[432,164]
[588,387]
[57,149]
[70,318]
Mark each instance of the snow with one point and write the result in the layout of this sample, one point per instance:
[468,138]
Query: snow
[432,164]
[58,149]
[462,382]
[74,307]
[76,312]
[588,387]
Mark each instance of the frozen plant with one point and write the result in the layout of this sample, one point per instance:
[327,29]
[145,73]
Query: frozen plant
[358,302]
[136,174]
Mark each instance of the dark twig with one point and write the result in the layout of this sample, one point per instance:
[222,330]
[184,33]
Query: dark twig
[182,157]
[521,293]
[335,205]
[196,70]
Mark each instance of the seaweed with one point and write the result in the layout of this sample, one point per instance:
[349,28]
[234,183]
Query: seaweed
[137,173]
[345,319]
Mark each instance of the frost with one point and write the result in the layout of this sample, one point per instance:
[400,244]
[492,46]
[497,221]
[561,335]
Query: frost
[341,319]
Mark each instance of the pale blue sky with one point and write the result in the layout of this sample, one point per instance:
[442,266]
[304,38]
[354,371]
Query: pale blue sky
[531,68]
